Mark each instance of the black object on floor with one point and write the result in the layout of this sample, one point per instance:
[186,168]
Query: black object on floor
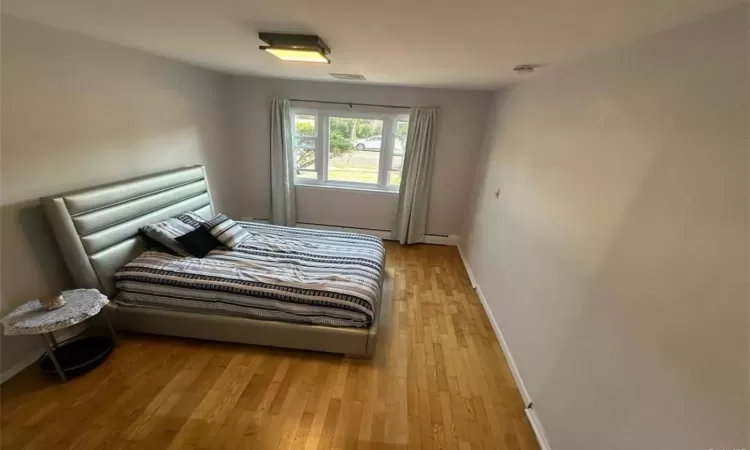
[78,356]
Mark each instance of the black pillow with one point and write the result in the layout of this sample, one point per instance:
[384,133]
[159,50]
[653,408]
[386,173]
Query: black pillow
[198,242]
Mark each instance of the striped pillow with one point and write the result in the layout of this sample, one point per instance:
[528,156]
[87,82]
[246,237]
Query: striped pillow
[226,230]
[167,231]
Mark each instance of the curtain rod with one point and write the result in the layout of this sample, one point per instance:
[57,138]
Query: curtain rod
[348,103]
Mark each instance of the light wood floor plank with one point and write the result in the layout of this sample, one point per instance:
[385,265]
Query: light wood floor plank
[438,380]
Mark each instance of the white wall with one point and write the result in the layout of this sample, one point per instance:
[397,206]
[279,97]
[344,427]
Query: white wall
[462,120]
[78,112]
[615,259]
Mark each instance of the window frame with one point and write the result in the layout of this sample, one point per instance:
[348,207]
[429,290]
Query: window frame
[322,143]
[305,112]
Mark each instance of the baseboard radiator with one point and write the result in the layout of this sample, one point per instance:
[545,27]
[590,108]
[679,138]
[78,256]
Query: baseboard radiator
[435,239]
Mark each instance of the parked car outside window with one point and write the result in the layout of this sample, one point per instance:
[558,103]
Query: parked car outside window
[374,144]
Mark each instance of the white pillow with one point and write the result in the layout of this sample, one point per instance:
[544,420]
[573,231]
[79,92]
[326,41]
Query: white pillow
[226,230]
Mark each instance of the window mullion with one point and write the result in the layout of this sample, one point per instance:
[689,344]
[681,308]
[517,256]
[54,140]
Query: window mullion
[323,148]
[386,152]
[317,146]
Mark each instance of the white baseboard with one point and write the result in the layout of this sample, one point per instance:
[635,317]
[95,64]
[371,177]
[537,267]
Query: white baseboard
[451,240]
[468,269]
[20,366]
[382,234]
[533,418]
[536,425]
[506,350]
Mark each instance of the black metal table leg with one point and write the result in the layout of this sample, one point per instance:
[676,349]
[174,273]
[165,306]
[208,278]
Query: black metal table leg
[51,344]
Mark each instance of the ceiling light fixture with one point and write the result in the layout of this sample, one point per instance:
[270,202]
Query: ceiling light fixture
[296,47]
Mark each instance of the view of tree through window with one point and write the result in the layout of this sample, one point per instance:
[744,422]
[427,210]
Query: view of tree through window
[354,149]
[305,140]
[349,150]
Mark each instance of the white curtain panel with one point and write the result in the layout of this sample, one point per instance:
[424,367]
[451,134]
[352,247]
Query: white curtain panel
[416,177]
[283,211]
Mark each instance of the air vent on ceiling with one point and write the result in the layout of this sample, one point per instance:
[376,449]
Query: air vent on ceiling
[527,68]
[348,76]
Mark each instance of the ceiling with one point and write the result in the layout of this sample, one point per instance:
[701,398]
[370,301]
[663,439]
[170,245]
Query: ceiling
[446,43]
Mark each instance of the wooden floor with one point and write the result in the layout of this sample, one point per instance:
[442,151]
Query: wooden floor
[438,381]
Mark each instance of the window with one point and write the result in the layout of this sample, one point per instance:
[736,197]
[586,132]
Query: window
[349,149]
[305,142]
[399,145]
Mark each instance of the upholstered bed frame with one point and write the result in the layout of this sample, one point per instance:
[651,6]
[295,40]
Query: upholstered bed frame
[97,230]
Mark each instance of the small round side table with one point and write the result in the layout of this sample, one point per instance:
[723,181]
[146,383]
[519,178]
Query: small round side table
[76,356]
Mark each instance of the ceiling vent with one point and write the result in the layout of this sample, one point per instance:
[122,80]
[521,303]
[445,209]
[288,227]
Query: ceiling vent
[348,76]
[526,68]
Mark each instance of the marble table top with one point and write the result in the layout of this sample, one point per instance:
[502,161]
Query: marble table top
[32,318]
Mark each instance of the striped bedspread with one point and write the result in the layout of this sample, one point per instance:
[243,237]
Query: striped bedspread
[279,273]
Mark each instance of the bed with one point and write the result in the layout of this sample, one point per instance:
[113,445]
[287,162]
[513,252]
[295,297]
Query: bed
[97,230]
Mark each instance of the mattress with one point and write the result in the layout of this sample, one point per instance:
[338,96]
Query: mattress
[285,274]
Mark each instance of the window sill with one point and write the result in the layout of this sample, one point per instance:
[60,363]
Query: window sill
[333,187]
